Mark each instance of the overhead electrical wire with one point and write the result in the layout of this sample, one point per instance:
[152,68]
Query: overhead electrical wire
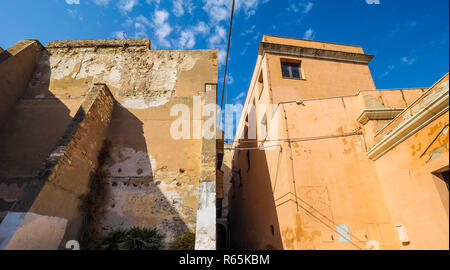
[226,64]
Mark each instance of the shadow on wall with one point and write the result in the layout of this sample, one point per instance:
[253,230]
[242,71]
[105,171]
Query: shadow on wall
[134,192]
[253,216]
[29,134]
[33,129]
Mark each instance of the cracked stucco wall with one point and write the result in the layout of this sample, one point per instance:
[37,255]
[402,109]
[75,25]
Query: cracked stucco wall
[153,179]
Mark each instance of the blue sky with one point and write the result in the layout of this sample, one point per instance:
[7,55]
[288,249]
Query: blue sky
[410,38]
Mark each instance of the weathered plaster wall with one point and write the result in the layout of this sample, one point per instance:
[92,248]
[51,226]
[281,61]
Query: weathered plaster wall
[322,78]
[206,210]
[418,198]
[410,186]
[153,178]
[16,67]
[55,194]
[316,177]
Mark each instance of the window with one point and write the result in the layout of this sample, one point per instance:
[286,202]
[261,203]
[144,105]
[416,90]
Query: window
[291,70]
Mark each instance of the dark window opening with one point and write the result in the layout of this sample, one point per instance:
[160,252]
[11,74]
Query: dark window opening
[291,70]
[272,229]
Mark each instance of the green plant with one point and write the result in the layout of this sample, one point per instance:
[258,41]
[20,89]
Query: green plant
[184,242]
[132,239]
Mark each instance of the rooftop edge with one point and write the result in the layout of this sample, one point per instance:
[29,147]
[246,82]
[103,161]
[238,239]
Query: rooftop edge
[101,43]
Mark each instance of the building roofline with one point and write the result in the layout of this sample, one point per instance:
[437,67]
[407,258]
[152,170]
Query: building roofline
[100,43]
[308,52]
[316,41]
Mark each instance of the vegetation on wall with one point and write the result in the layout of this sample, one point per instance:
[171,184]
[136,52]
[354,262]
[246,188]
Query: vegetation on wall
[92,203]
[184,242]
[132,239]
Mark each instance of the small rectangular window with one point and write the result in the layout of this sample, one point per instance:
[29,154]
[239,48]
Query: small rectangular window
[291,70]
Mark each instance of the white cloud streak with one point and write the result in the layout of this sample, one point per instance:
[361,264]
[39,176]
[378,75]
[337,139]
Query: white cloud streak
[73,2]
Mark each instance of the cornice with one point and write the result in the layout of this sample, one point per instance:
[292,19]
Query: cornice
[297,51]
[378,114]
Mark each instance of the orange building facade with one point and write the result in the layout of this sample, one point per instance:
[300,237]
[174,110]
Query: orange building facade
[324,160]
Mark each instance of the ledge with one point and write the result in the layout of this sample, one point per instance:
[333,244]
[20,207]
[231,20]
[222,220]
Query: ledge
[100,43]
[18,48]
[435,108]
[323,54]
[378,114]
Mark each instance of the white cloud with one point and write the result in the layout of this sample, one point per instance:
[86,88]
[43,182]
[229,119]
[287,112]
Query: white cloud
[157,2]
[409,25]
[238,97]
[127,5]
[140,30]
[219,41]
[370,2]
[218,37]
[187,37]
[222,56]
[230,79]
[389,69]
[73,2]
[201,28]
[308,8]
[179,7]
[187,40]
[160,16]
[309,34]
[248,31]
[143,20]
[101,2]
[220,10]
[247,45]
[118,34]
[301,6]
[162,27]
[408,61]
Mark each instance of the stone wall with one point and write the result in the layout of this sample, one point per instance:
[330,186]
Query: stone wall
[53,199]
[16,67]
[153,179]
